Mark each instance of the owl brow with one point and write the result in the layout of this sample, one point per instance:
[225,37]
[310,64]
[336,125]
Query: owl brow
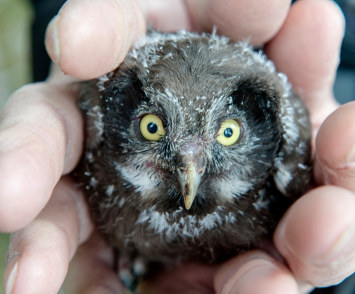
[218,105]
[166,102]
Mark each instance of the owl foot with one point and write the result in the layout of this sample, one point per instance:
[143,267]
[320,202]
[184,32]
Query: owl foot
[130,272]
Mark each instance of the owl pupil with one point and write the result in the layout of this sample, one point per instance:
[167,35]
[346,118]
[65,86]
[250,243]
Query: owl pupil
[228,132]
[152,128]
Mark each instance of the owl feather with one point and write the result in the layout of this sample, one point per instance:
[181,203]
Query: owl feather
[195,147]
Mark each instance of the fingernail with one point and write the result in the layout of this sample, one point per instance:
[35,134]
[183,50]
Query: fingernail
[11,279]
[52,40]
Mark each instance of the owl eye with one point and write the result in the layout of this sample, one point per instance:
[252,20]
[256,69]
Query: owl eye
[229,132]
[151,127]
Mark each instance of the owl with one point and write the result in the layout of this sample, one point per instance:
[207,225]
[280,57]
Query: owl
[195,147]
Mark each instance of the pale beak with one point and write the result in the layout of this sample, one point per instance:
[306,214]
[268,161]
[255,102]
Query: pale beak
[190,179]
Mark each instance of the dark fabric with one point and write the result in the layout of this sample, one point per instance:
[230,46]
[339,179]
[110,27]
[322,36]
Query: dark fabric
[348,48]
[44,11]
[346,287]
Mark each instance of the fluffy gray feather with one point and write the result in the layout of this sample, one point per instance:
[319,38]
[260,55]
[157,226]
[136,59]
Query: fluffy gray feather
[189,194]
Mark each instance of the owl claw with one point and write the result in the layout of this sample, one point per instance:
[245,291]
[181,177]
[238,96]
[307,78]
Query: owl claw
[130,271]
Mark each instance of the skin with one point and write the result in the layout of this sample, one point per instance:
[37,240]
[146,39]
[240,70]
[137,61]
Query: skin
[41,140]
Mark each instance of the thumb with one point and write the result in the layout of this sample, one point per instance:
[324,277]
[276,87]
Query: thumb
[306,49]
[89,38]
[335,149]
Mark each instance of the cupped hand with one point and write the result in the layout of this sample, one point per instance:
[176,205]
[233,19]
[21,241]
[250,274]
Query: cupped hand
[41,140]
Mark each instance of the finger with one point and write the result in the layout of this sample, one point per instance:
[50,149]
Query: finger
[253,273]
[239,20]
[39,254]
[166,16]
[89,38]
[189,278]
[85,30]
[317,236]
[91,270]
[307,50]
[40,139]
[256,21]
[335,149]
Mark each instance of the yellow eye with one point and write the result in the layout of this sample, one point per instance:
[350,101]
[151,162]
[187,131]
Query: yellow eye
[151,127]
[229,132]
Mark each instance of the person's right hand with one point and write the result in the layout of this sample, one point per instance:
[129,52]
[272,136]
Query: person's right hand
[41,140]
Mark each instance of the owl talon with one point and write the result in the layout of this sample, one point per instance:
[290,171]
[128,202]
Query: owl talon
[128,280]
[139,267]
[130,272]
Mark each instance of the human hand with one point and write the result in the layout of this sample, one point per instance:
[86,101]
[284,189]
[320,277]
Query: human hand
[40,146]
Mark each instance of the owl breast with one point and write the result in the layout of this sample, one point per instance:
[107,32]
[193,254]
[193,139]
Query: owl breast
[195,147]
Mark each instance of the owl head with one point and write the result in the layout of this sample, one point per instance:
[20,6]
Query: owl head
[191,121]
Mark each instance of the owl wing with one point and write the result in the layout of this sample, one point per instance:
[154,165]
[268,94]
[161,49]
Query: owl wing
[293,171]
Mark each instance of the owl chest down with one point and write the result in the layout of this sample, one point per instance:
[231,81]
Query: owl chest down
[173,234]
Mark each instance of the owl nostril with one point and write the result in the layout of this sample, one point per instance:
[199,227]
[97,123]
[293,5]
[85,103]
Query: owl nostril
[194,152]
[187,189]
[199,163]
[201,170]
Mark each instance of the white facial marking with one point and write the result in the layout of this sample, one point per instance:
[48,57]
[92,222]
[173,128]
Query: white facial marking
[140,179]
[109,190]
[171,225]
[231,189]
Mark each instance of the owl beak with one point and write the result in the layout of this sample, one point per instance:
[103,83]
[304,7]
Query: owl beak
[190,180]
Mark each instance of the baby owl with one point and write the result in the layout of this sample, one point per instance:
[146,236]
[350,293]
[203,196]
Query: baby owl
[195,147]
